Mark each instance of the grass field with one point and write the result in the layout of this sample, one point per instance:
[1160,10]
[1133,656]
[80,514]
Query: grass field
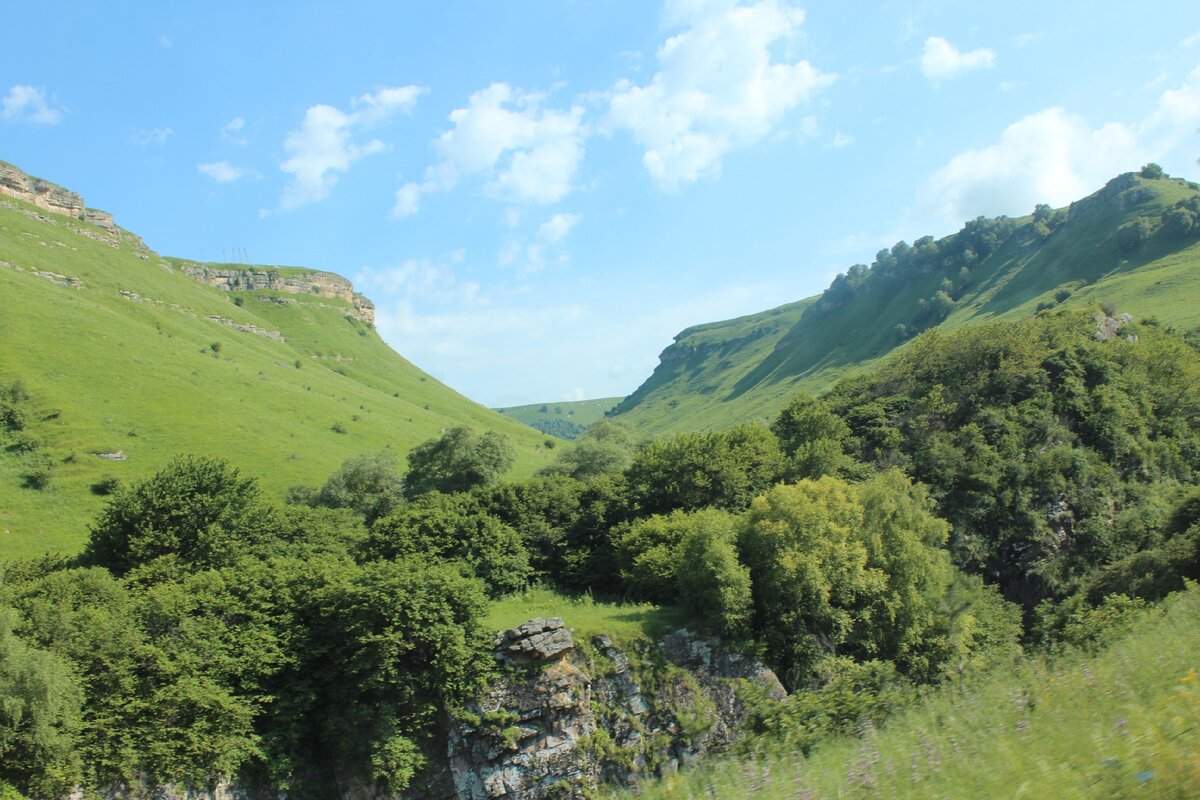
[623,622]
[120,352]
[1121,723]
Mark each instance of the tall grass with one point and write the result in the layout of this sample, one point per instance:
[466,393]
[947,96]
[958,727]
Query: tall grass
[1120,723]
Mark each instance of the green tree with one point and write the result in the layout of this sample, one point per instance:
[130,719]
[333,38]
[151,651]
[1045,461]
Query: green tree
[846,569]
[395,642]
[813,438]
[454,528]
[198,511]
[39,716]
[368,484]
[726,469]
[711,583]
[605,448]
[458,461]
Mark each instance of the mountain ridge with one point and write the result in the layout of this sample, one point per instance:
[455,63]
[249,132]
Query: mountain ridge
[1114,246]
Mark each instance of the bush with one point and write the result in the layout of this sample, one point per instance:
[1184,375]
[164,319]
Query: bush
[13,397]
[1133,233]
[107,485]
[200,511]
[1152,171]
[36,473]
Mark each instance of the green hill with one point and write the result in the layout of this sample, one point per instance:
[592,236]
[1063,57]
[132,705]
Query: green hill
[1130,244]
[565,420]
[118,353]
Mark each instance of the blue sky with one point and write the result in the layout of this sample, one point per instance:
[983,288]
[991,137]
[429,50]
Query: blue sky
[539,195]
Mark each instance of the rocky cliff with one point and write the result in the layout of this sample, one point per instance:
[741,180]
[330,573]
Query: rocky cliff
[566,716]
[311,282]
[51,197]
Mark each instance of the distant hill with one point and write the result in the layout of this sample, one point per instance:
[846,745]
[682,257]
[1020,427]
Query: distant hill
[122,359]
[564,420]
[1134,244]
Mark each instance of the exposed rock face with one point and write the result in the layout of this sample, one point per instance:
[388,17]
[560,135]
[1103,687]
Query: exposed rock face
[50,197]
[322,284]
[562,719]
[1108,328]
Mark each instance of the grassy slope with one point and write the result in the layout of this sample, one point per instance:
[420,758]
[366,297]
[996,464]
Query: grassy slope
[110,373]
[747,368]
[1124,723]
[580,412]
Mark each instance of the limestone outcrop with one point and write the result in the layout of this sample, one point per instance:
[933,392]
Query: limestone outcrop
[51,197]
[310,282]
[563,718]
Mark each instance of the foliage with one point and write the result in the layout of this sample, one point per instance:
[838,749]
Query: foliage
[839,568]
[606,448]
[39,714]
[413,645]
[695,470]
[199,511]
[812,437]
[711,584]
[1048,452]
[452,527]
[458,461]
[369,484]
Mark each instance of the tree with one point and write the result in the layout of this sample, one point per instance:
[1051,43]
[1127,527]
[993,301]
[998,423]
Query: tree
[711,583]
[812,437]
[458,461]
[604,449]
[1152,171]
[398,641]
[1133,233]
[198,511]
[849,569]
[39,715]
[454,528]
[368,484]
[689,471]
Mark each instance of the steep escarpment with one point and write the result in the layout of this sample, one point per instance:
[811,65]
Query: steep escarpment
[51,197]
[289,280]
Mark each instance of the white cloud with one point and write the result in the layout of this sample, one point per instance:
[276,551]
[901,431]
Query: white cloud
[841,140]
[29,104]
[232,131]
[423,280]
[555,229]
[547,244]
[165,42]
[1055,157]
[1191,40]
[1025,39]
[324,143]
[146,137]
[222,171]
[527,153]
[943,60]
[408,201]
[717,86]
[575,395]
